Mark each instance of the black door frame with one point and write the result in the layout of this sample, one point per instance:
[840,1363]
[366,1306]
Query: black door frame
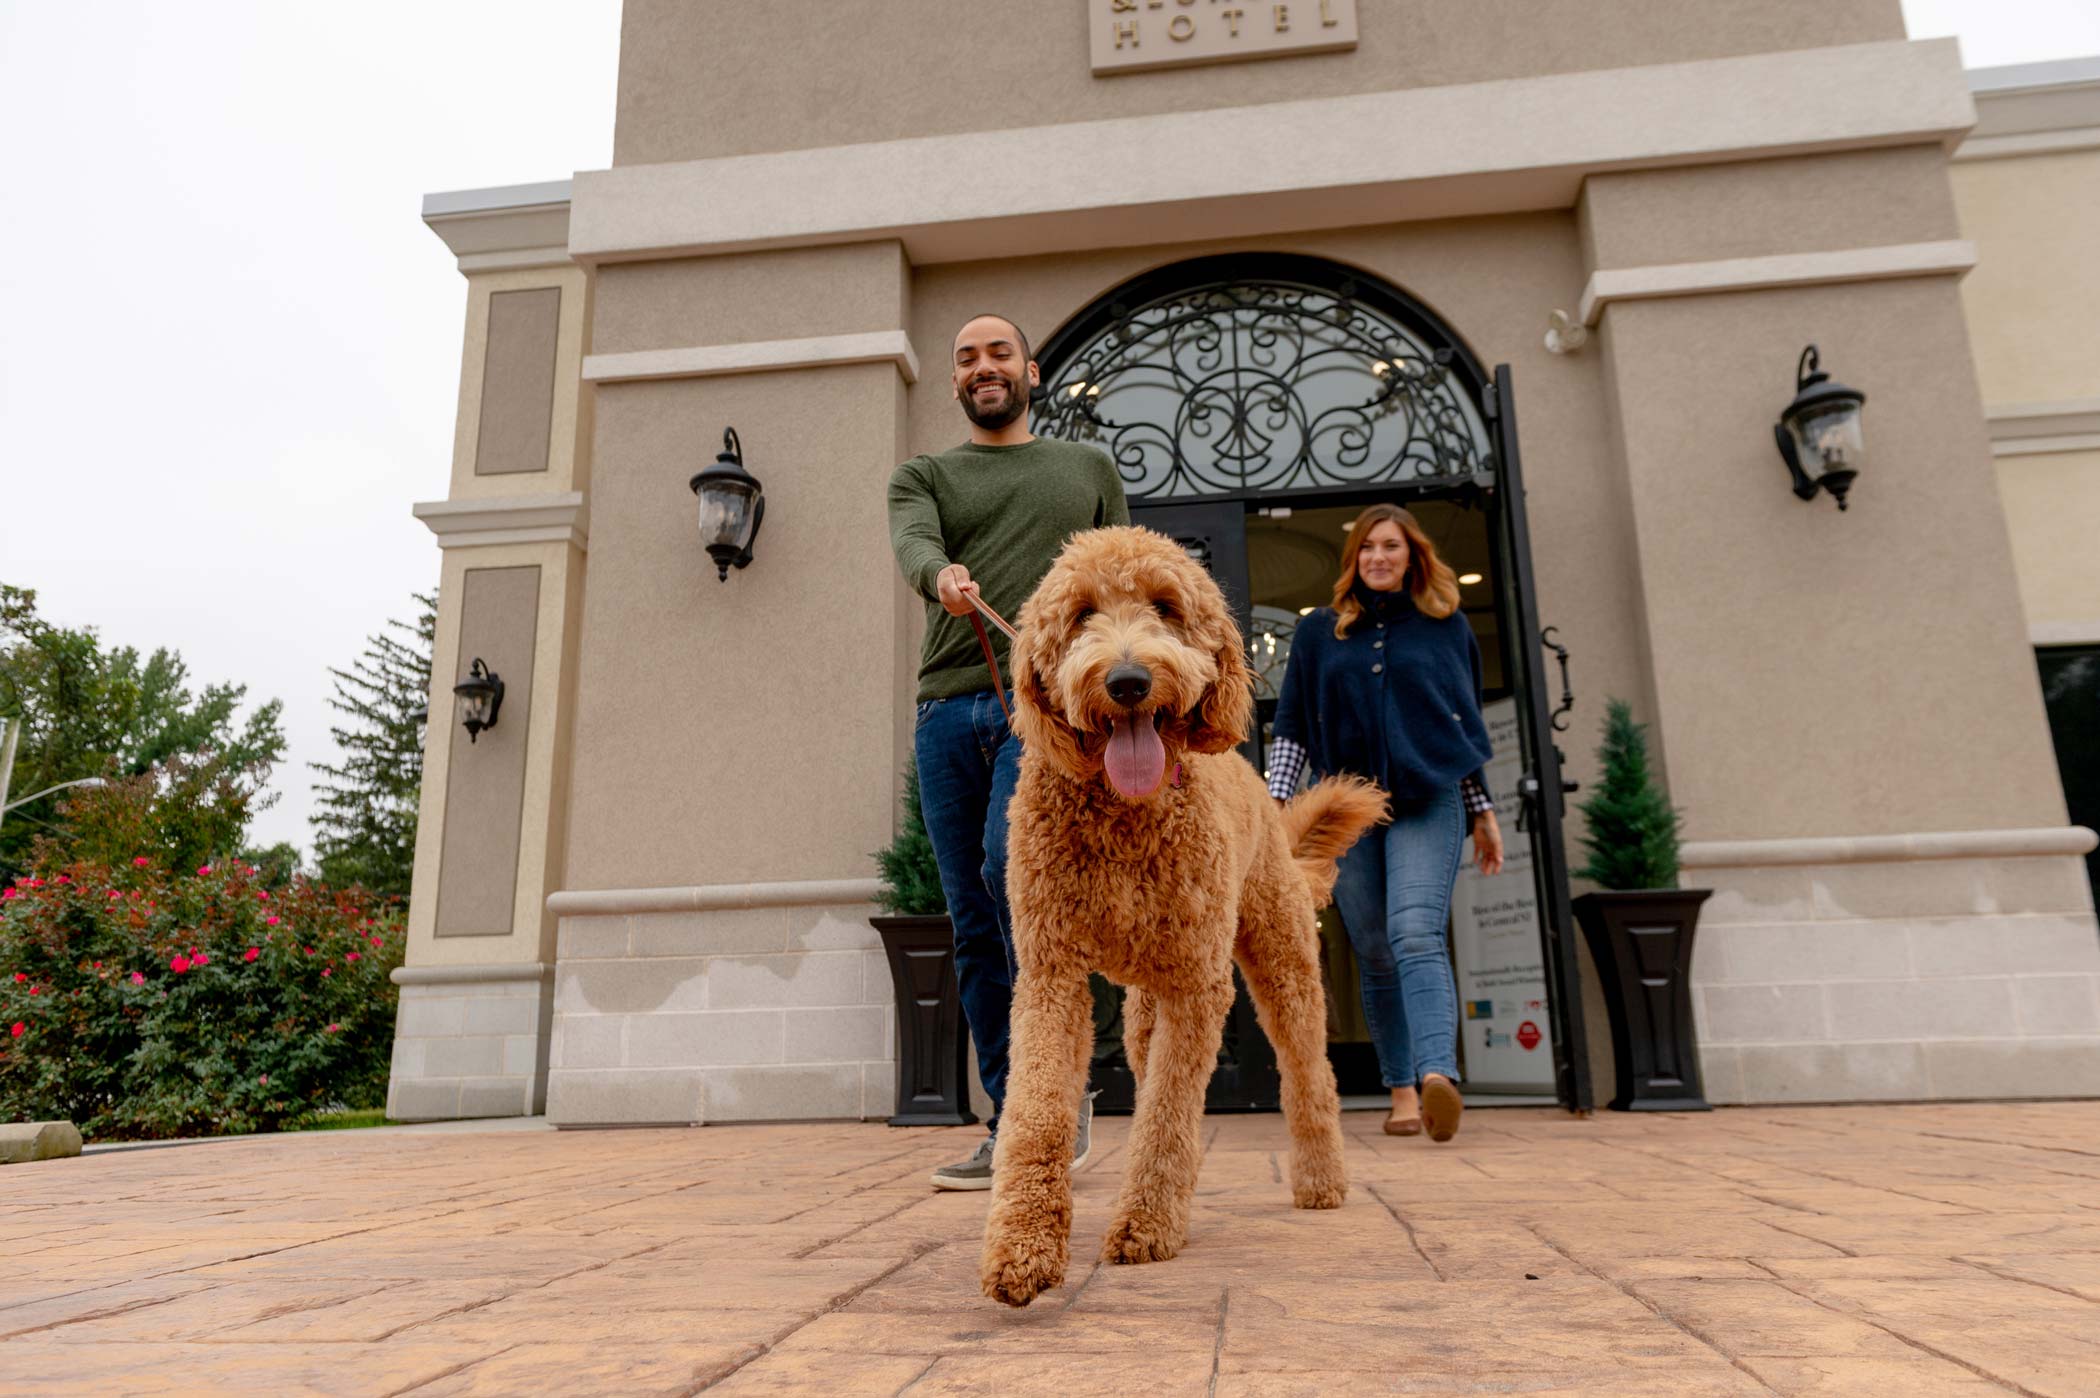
[1499,489]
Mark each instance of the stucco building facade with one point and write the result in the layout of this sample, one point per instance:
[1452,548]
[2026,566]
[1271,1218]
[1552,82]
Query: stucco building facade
[643,895]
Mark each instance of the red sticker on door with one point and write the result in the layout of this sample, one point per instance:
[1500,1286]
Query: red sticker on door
[1528,1035]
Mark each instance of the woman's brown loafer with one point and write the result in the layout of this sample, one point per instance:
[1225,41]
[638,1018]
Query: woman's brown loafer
[1441,1108]
[1403,1126]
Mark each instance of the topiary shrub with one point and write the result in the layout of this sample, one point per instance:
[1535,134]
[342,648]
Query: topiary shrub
[1632,838]
[911,879]
[139,1002]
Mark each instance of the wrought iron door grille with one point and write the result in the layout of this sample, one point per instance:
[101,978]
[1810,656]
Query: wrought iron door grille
[1252,384]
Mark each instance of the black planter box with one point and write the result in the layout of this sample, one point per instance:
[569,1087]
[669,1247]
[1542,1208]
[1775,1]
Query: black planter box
[1642,943]
[932,1052]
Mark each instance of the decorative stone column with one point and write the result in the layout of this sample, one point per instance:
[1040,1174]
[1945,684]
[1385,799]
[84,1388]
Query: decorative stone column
[472,1035]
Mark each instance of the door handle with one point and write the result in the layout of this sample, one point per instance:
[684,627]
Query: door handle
[1558,720]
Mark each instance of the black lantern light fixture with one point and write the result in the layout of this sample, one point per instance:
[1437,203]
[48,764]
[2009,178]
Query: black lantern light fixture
[732,506]
[480,699]
[1819,433]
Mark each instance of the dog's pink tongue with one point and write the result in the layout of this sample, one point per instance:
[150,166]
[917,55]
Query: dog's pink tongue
[1136,759]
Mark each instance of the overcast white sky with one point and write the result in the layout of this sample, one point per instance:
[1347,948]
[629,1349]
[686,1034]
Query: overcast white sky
[229,349]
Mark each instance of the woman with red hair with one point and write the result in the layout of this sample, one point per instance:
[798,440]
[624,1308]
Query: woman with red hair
[1385,684]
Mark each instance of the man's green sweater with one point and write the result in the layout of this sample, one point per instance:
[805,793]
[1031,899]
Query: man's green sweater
[1003,513]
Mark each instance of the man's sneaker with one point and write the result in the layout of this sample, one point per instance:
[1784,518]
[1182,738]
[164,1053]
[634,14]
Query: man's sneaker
[1084,1145]
[976,1172]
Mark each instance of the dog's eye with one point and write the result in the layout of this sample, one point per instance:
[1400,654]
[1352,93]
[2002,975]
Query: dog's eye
[1082,616]
[1166,611]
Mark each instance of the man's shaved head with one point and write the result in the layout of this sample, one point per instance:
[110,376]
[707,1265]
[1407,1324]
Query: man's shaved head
[1020,336]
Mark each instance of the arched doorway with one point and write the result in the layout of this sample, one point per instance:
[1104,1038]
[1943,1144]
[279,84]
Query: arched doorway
[1253,403]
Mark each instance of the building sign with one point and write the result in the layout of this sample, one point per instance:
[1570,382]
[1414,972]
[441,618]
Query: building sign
[1130,36]
[1496,945]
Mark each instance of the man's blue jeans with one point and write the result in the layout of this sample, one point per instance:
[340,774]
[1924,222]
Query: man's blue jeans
[1394,894]
[968,765]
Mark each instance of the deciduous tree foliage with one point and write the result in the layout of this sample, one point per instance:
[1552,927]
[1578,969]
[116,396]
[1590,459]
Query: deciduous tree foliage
[91,711]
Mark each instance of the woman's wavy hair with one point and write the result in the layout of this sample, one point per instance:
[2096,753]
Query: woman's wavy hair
[1429,578]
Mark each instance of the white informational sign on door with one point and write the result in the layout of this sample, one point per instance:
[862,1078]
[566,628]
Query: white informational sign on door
[1496,943]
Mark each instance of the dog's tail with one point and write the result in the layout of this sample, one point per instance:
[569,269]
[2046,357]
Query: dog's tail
[1323,821]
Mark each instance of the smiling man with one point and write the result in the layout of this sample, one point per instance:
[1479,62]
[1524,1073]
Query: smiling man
[984,518]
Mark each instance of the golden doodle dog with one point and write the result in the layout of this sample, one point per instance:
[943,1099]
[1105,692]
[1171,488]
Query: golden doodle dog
[1145,848]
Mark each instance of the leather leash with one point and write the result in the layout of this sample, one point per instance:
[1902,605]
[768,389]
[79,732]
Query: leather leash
[985,640]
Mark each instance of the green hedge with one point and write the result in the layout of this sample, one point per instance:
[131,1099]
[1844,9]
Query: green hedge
[140,1002]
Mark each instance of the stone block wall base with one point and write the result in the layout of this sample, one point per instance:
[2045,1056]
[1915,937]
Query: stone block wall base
[626,1097]
[777,1012]
[1897,979]
[469,1049]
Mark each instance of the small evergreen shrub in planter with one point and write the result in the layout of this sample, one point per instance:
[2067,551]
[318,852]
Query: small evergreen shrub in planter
[1640,930]
[919,940]
[140,1002]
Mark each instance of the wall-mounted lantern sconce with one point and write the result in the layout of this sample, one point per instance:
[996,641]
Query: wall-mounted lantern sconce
[1819,433]
[732,506]
[480,699]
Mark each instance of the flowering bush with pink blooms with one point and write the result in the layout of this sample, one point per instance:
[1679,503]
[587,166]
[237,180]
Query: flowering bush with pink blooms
[142,1002]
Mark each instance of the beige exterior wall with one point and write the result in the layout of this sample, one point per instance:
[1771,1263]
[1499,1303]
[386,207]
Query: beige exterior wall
[2028,189]
[2052,505]
[706,835]
[770,75]
[2035,220]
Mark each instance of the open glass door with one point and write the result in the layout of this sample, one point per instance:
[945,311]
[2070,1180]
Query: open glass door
[1540,804]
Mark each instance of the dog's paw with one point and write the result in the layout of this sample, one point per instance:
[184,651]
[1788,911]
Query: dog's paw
[1141,1238]
[1320,1195]
[1017,1269]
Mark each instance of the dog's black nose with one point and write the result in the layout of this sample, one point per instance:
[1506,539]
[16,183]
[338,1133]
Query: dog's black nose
[1128,684]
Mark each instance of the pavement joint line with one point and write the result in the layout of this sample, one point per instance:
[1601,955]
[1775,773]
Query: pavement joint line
[1080,1290]
[916,1378]
[1627,1291]
[871,1164]
[1782,1204]
[1217,1353]
[1401,1219]
[1891,1189]
[803,1254]
[1915,1344]
[586,1213]
[94,1315]
[1809,1237]
[2016,1277]
[459,1368]
[837,1304]
[2002,1141]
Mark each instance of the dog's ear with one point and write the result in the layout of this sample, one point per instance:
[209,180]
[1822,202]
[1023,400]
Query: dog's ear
[1226,714]
[1038,722]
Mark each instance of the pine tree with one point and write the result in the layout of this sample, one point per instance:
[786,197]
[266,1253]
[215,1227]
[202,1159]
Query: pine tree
[365,830]
[911,880]
[1632,836]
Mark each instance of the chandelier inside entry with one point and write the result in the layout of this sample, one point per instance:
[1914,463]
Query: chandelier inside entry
[1256,383]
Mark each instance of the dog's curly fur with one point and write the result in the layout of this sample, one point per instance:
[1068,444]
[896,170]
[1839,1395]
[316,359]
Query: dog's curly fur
[1161,895]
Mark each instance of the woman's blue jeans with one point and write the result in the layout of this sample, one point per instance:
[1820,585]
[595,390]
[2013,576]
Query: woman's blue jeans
[969,764]
[1394,895]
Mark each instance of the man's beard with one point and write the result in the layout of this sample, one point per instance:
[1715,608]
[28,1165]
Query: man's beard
[992,419]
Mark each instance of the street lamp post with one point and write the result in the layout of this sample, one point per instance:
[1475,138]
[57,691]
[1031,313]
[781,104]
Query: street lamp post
[7,770]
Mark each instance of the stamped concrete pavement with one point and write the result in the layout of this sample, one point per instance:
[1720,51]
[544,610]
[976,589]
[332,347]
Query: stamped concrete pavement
[1905,1250]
